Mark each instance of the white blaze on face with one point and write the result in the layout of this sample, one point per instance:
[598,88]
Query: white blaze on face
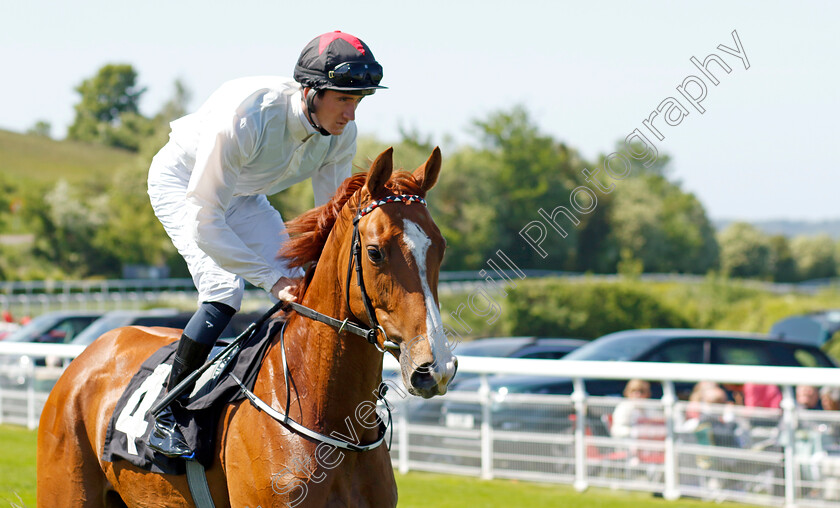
[418,244]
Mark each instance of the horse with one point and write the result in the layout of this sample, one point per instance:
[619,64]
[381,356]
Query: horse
[332,377]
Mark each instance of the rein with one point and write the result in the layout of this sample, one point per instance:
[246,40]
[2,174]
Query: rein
[370,334]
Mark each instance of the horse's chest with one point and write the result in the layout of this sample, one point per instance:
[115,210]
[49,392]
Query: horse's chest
[276,467]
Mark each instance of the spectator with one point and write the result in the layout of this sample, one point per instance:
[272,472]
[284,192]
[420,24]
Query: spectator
[697,396]
[718,426]
[808,397]
[830,398]
[630,413]
[762,395]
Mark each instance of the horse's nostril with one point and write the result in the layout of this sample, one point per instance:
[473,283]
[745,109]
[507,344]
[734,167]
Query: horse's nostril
[422,379]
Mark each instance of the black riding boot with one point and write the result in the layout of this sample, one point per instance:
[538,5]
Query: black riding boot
[166,437]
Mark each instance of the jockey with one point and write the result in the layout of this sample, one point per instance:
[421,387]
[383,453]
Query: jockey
[253,137]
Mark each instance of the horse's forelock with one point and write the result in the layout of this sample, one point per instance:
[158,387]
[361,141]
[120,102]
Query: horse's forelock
[310,230]
[403,182]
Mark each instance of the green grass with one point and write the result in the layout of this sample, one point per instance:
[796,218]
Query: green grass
[17,466]
[416,490]
[422,490]
[36,158]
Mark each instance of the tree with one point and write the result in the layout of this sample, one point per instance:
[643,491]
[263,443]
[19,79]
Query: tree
[652,220]
[108,112]
[815,256]
[65,222]
[745,251]
[781,259]
[533,172]
[41,128]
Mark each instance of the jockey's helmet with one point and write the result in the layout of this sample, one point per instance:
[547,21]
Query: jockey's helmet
[338,61]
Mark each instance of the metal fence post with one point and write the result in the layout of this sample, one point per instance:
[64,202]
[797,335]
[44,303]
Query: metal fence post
[579,399]
[486,430]
[669,398]
[788,406]
[402,418]
[30,397]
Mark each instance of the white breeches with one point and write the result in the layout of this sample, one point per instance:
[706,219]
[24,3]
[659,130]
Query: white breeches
[252,218]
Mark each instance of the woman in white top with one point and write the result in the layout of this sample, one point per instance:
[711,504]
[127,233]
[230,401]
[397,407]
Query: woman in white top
[252,137]
[630,417]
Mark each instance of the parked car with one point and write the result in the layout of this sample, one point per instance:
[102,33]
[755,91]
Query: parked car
[814,328]
[14,370]
[59,327]
[548,348]
[545,348]
[170,318]
[519,347]
[655,345]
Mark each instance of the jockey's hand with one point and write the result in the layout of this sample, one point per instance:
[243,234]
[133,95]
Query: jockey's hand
[283,289]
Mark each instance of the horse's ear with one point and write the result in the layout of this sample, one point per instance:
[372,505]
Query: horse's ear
[427,174]
[380,172]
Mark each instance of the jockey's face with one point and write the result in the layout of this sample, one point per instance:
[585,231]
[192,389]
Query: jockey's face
[333,110]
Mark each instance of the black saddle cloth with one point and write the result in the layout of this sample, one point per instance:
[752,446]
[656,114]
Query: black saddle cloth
[198,415]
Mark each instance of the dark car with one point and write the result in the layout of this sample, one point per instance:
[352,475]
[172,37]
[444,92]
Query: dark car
[693,346]
[15,369]
[657,345]
[59,327]
[543,348]
[548,348]
[170,318]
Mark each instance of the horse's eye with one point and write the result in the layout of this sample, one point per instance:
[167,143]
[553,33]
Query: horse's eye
[375,255]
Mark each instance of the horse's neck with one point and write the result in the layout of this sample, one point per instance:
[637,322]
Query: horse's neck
[332,375]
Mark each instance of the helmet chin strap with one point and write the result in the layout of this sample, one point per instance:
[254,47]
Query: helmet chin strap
[310,109]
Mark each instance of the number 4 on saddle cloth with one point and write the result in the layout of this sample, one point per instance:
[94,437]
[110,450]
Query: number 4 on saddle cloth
[198,414]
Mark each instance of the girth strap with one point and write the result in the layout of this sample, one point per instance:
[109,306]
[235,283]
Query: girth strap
[197,480]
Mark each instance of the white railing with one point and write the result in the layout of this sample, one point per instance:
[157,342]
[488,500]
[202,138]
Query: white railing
[30,298]
[785,457]
[556,437]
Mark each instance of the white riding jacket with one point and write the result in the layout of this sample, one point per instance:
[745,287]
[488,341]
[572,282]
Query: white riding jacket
[250,137]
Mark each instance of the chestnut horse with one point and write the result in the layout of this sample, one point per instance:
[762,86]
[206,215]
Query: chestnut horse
[258,461]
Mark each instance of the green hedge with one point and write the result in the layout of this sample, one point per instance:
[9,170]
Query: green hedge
[559,308]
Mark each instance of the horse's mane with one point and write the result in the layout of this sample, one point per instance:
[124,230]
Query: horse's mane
[310,230]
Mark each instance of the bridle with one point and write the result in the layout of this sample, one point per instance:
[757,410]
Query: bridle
[370,334]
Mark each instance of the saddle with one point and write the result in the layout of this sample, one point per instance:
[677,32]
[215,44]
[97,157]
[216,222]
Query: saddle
[197,413]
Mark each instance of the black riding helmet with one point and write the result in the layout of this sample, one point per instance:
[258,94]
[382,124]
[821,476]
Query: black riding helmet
[337,61]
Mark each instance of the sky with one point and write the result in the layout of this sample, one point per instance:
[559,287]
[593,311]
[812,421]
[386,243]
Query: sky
[589,73]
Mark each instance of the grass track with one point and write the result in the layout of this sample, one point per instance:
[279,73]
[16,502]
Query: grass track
[423,490]
[417,490]
[17,466]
